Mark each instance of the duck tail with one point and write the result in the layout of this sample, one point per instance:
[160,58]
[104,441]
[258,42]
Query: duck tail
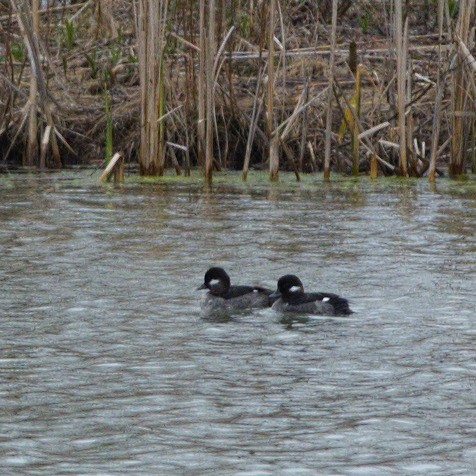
[341,306]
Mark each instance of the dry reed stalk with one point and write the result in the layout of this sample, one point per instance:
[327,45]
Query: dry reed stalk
[152,15]
[440,87]
[251,14]
[31,40]
[210,99]
[15,137]
[32,146]
[373,130]
[228,95]
[82,7]
[252,129]
[191,89]
[219,20]
[287,124]
[202,85]
[282,49]
[466,55]
[312,157]
[291,159]
[147,30]
[304,127]
[105,18]
[355,128]
[161,106]
[363,136]
[116,167]
[274,140]
[327,157]
[401,75]
[175,164]
[49,9]
[459,139]
[319,51]
[410,122]
[44,146]
[161,110]
[373,166]
[274,158]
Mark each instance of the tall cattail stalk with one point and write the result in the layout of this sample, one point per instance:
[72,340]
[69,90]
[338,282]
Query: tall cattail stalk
[440,86]
[210,88]
[327,157]
[283,61]
[273,139]
[351,120]
[32,147]
[148,32]
[161,113]
[355,123]
[191,89]
[401,53]
[202,85]
[409,118]
[304,127]
[459,139]
[151,20]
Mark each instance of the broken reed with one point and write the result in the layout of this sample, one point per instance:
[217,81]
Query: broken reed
[195,111]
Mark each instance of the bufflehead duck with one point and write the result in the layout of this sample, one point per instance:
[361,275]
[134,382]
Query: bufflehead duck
[222,296]
[292,298]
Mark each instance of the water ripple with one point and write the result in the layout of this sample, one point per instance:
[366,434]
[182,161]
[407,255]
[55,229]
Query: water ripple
[108,366]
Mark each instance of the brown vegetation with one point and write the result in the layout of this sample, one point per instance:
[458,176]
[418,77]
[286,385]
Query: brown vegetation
[239,84]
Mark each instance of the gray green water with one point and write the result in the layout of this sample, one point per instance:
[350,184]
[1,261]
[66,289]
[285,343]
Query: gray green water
[108,367]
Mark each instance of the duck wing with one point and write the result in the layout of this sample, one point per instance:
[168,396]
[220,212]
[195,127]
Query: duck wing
[238,291]
[340,304]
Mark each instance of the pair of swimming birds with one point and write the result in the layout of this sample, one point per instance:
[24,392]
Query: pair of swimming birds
[288,297]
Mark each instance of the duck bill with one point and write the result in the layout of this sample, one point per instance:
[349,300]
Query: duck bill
[203,286]
[276,294]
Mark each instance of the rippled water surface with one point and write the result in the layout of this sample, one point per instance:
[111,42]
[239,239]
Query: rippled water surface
[108,367]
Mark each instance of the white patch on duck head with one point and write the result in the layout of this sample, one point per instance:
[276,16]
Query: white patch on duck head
[326,299]
[294,289]
[214,282]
